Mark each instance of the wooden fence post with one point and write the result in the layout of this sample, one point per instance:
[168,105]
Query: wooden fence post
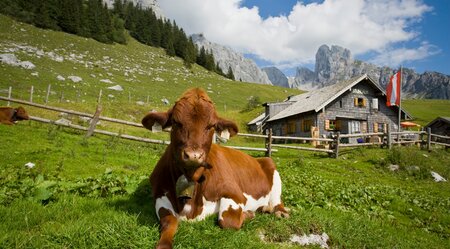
[48,93]
[99,97]
[422,139]
[31,94]
[429,139]
[94,121]
[61,98]
[336,144]
[78,96]
[148,99]
[9,95]
[389,137]
[269,144]
[129,97]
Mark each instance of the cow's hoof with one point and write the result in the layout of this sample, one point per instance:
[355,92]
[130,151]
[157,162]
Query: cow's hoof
[282,214]
[249,215]
[163,246]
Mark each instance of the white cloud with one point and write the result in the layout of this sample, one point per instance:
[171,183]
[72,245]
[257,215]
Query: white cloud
[395,57]
[360,25]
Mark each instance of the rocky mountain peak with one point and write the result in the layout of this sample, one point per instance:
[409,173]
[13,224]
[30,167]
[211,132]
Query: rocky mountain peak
[332,63]
[337,64]
[276,76]
[145,4]
[243,69]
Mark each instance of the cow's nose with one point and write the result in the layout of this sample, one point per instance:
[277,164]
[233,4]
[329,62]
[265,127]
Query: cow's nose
[196,156]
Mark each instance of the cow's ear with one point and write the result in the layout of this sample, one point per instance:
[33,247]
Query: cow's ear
[223,124]
[162,118]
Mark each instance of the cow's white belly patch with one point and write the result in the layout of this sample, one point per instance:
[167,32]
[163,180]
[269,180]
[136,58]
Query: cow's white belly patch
[163,202]
[209,208]
[267,202]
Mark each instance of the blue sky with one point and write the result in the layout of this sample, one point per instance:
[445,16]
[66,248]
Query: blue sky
[287,33]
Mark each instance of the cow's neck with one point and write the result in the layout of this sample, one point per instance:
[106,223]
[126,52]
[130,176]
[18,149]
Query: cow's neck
[14,116]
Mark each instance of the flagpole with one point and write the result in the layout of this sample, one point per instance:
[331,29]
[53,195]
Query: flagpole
[400,97]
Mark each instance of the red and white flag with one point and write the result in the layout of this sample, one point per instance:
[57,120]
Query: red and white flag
[393,90]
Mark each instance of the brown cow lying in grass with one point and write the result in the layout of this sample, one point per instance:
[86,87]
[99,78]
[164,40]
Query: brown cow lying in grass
[195,178]
[10,116]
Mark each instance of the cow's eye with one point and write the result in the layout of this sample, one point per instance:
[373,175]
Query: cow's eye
[209,127]
[177,124]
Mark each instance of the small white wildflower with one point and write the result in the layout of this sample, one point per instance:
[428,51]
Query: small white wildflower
[30,165]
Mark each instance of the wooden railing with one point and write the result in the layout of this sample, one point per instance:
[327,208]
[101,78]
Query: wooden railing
[334,143]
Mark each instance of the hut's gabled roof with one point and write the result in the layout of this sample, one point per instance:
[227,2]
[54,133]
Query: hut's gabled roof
[318,99]
[441,119]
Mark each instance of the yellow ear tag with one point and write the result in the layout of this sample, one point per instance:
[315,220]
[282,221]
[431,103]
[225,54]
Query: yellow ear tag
[156,127]
[225,134]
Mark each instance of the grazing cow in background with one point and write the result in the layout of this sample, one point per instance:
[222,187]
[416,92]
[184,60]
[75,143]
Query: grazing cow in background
[195,178]
[10,116]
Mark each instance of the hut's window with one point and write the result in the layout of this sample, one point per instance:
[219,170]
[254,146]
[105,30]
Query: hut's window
[330,125]
[360,102]
[307,123]
[291,127]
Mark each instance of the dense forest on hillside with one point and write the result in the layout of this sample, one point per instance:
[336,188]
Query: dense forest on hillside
[93,19]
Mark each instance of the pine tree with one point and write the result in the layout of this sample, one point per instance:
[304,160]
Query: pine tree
[210,64]
[119,8]
[70,13]
[218,70]
[45,15]
[155,29]
[180,42]
[191,53]
[119,30]
[201,58]
[230,74]
[167,38]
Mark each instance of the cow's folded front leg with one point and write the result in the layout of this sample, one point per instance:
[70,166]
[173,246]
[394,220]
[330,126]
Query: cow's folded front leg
[169,225]
[231,214]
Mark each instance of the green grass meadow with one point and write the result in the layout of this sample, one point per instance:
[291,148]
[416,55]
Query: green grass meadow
[94,192]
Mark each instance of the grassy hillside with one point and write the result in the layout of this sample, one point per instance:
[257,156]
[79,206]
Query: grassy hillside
[145,73]
[426,110]
[94,193]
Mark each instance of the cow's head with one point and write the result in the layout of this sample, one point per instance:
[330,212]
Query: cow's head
[20,114]
[193,121]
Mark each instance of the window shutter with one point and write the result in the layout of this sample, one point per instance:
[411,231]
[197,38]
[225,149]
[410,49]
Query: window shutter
[301,125]
[384,128]
[355,100]
[364,102]
[364,127]
[375,127]
[284,129]
[327,124]
[338,125]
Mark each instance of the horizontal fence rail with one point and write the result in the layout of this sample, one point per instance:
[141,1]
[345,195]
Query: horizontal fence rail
[330,146]
[82,114]
[103,132]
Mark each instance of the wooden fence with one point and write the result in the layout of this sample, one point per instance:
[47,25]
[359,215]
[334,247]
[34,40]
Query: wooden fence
[96,117]
[61,95]
[332,145]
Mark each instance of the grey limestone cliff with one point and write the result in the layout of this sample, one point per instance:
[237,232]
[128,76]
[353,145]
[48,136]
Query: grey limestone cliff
[277,77]
[336,64]
[145,4]
[243,69]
